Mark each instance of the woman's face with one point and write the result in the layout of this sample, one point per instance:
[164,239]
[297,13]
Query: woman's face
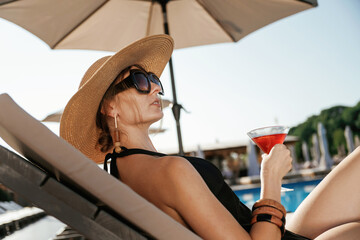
[136,108]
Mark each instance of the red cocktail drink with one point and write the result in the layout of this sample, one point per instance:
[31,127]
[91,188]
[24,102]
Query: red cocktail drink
[266,138]
[267,142]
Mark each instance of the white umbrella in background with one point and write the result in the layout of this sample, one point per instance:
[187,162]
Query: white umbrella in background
[56,116]
[53,117]
[110,25]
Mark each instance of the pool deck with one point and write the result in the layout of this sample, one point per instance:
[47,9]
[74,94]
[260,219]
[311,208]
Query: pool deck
[301,175]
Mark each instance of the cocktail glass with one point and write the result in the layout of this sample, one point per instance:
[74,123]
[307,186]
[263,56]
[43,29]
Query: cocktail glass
[267,137]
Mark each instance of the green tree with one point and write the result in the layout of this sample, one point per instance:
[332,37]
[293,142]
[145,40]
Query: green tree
[334,119]
[338,138]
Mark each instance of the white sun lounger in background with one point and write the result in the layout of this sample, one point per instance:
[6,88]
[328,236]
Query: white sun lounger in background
[58,178]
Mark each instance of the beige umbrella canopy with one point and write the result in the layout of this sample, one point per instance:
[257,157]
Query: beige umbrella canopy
[112,24]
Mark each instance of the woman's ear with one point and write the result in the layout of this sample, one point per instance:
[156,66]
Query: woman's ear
[107,108]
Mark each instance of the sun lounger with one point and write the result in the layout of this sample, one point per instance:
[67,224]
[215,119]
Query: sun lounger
[58,178]
[67,233]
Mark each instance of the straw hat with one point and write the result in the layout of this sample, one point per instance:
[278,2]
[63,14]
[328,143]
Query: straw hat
[78,122]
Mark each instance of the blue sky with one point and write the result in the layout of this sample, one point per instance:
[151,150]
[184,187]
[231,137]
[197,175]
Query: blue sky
[280,74]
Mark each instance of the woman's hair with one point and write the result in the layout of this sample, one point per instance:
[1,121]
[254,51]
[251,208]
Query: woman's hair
[105,140]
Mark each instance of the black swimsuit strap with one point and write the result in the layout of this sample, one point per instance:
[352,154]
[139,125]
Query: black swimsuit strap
[125,152]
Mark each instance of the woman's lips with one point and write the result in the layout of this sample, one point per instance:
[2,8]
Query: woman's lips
[156,103]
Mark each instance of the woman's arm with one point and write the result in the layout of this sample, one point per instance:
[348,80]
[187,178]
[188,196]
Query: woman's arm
[192,199]
[273,168]
[187,193]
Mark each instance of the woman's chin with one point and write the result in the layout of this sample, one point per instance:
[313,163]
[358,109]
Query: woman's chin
[159,117]
[155,117]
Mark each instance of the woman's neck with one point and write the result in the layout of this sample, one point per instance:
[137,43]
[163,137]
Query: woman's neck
[137,138]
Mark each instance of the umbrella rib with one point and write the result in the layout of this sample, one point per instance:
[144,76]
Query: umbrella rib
[150,16]
[3,2]
[67,34]
[227,33]
[311,2]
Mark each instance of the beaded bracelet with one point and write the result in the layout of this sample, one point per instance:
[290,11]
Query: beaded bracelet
[271,219]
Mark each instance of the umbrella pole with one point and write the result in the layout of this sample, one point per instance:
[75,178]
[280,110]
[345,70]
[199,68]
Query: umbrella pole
[176,109]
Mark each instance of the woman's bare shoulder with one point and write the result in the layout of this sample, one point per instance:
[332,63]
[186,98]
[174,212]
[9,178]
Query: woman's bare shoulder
[168,171]
[156,170]
[171,166]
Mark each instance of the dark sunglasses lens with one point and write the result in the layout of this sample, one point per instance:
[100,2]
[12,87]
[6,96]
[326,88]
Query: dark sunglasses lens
[141,82]
[157,81]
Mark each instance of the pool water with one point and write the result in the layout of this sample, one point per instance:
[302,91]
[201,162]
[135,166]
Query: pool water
[291,200]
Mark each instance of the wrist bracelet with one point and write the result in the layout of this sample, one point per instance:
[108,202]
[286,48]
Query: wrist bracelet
[271,219]
[270,210]
[269,203]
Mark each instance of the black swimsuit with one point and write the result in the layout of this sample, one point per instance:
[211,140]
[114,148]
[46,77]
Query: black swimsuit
[213,179]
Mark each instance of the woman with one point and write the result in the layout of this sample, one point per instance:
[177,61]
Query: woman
[109,117]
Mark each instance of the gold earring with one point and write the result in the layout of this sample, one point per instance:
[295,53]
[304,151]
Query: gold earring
[117,137]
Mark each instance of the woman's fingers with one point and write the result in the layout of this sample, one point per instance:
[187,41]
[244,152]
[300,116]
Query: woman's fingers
[278,162]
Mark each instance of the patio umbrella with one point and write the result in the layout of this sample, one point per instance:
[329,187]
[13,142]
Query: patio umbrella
[110,25]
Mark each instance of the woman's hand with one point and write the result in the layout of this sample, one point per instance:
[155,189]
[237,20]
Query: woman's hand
[277,163]
[274,167]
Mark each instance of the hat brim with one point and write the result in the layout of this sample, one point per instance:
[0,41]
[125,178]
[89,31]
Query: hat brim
[78,122]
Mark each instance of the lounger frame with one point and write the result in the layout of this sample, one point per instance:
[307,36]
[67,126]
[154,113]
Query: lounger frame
[66,204]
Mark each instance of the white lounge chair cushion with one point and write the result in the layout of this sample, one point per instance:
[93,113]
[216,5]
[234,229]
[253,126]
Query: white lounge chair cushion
[35,141]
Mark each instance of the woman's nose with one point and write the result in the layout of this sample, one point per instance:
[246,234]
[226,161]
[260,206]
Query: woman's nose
[155,88]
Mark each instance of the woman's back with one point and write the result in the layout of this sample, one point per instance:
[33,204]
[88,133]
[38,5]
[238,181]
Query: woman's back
[150,174]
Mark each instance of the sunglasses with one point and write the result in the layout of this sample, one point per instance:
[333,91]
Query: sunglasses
[141,80]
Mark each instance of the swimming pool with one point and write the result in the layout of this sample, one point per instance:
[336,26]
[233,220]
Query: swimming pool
[290,200]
